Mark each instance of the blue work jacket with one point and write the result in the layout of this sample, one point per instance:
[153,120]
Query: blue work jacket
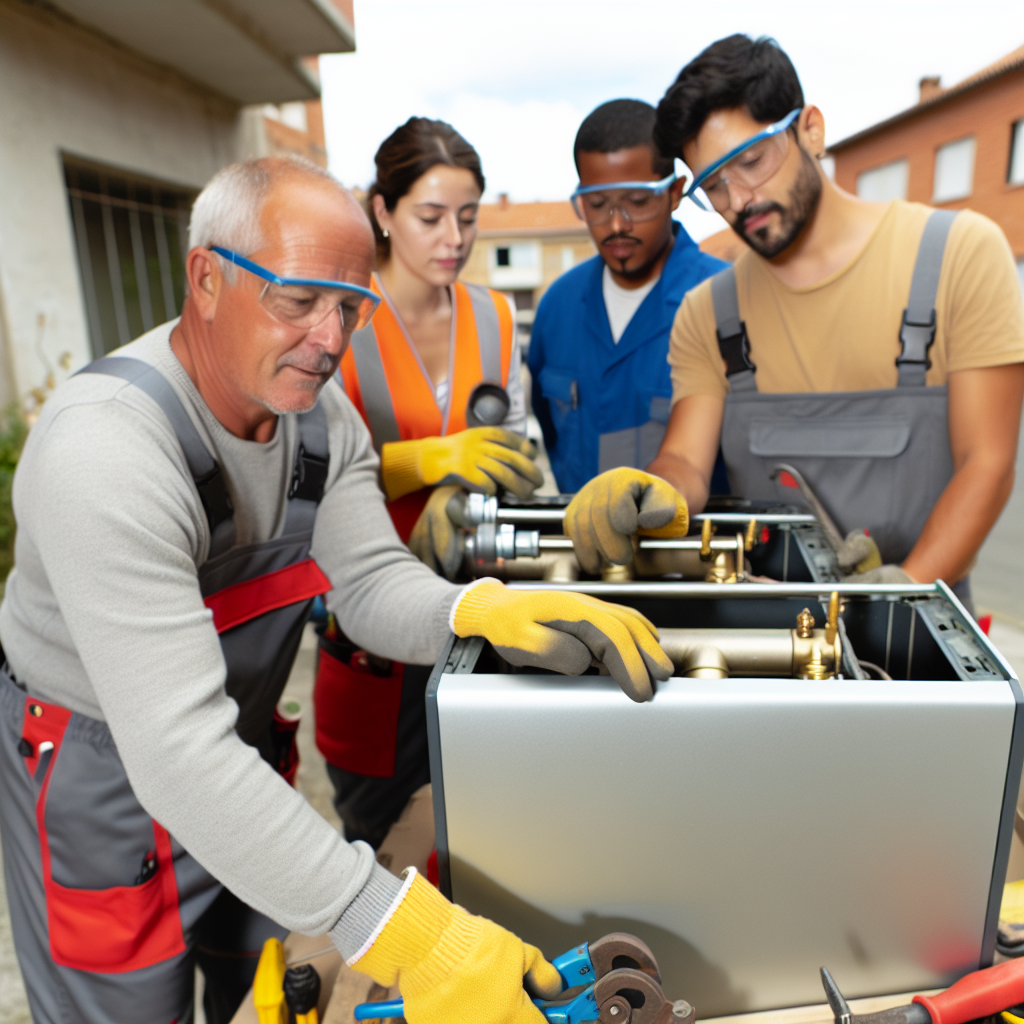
[599,404]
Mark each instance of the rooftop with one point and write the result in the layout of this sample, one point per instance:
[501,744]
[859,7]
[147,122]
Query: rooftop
[933,95]
[513,219]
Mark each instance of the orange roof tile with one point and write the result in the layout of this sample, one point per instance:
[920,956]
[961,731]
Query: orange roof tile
[529,219]
[1012,61]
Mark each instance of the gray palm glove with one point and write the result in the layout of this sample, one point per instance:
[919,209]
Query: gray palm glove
[436,539]
[880,574]
[858,553]
[858,556]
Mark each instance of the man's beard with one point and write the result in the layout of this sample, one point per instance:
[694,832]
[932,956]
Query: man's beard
[633,273]
[804,197]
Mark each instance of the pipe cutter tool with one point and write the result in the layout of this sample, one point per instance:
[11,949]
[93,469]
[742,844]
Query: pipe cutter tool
[614,980]
[979,994]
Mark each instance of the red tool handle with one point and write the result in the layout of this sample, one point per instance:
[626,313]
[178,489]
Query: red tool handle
[978,995]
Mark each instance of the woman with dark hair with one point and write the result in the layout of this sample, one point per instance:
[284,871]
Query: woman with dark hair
[436,378]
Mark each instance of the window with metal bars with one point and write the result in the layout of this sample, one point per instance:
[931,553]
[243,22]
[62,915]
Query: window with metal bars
[132,237]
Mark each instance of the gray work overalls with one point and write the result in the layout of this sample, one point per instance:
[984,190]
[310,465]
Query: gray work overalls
[110,913]
[878,460]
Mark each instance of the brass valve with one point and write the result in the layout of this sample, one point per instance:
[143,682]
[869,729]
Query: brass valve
[817,653]
[805,624]
[706,530]
[832,626]
[751,538]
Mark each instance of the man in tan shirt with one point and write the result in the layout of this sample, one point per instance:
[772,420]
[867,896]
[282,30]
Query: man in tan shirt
[821,298]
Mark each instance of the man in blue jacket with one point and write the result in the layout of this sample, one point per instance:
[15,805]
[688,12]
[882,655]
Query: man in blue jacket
[598,355]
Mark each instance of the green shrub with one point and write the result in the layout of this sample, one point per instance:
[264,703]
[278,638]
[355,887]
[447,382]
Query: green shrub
[13,430]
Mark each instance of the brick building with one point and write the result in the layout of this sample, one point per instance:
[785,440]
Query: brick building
[522,247]
[960,146]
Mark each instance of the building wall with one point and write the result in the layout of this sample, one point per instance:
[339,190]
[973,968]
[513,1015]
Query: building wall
[63,89]
[988,112]
[478,267]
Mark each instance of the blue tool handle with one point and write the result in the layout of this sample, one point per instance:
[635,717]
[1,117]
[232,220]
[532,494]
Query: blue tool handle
[575,967]
[374,1011]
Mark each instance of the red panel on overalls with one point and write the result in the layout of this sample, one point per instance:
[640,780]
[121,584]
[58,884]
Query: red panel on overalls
[114,930]
[242,602]
[356,711]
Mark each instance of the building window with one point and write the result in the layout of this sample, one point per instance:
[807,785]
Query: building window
[882,184]
[1016,171]
[132,236]
[954,170]
[515,266]
[568,258]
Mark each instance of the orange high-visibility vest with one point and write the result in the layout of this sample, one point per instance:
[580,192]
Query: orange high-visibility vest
[357,712]
[383,375]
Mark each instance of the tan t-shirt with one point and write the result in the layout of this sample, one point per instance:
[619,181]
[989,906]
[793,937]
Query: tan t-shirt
[843,333]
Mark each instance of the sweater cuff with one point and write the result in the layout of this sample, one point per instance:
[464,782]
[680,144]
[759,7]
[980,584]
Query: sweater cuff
[368,912]
[467,612]
[400,468]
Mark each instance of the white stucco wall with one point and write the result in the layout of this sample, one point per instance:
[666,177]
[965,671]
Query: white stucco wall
[63,89]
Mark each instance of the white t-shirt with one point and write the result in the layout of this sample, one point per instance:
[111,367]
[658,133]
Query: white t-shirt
[621,303]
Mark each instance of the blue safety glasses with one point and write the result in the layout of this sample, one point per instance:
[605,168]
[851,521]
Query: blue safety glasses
[636,200]
[306,302]
[748,165]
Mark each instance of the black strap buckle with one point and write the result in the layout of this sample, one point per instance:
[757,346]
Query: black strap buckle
[309,477]
[735,351]
[915,341]
[213,493]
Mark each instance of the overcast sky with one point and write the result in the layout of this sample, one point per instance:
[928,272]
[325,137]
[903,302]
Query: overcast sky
[516,77]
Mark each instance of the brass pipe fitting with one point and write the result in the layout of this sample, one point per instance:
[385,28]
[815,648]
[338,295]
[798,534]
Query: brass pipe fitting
[801,653]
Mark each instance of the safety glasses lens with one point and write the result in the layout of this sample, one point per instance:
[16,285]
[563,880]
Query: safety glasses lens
[306,305]
[749,169]
[635,205]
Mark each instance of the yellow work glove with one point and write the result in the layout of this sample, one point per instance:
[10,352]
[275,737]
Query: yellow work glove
[608,510]
[453,967]
[435,539]
[479,459]
[560,630]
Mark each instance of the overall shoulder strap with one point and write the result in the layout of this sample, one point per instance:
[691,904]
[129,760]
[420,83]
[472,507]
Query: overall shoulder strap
[206,473]
[488,331]
[309,475]
[373,386]
[732,332]
[917,331]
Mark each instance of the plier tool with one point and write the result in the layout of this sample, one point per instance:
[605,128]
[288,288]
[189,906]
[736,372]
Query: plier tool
[614,980]
[979,994]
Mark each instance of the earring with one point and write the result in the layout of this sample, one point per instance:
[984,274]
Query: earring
[384,232]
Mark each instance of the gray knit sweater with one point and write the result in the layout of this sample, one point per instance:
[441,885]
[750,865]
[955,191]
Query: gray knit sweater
[103,615]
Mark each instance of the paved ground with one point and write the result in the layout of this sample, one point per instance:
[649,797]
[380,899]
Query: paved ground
[998,579]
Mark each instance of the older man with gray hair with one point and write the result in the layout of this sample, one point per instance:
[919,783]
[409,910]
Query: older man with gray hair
[179,505]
